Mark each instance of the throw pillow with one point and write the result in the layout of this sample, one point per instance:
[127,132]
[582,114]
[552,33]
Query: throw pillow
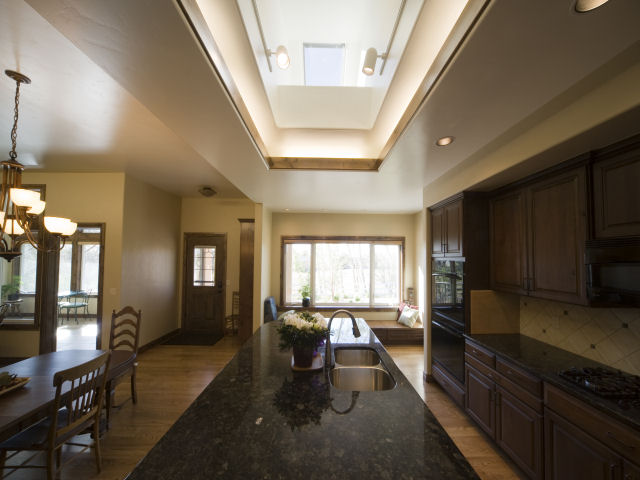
[409,316]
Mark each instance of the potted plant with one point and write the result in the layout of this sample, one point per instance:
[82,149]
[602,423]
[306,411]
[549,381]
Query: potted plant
[11,290]
[303,332]
[305,293]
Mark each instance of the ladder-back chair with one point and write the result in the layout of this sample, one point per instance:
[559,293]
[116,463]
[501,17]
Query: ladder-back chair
[125,337]
[76,409]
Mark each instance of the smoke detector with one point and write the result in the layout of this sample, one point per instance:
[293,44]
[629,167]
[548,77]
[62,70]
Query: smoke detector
[207,191]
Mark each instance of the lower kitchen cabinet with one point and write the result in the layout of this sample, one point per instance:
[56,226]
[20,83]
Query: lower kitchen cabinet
[519,432]
[499,406]
[479,401]
[572,454]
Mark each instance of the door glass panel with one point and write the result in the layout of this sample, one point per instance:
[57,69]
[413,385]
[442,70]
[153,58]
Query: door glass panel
[64,271]
[204,266]
[90,268]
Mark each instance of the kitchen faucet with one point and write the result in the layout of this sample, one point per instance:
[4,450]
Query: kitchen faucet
[327,348]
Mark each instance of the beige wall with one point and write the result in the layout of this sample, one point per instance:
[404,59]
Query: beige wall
[84,197]
[211,215]
[264,244]
[397,225]
[151,257]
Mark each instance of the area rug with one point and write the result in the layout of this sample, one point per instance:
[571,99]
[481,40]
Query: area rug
[193,339]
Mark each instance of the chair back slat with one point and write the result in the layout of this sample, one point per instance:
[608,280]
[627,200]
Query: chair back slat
[83,399]
[125,329]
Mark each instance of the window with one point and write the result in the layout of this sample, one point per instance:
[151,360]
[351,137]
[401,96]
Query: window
[89,267]
[356,271]
[323,65]
[204,266]
[64,269]
[28,268]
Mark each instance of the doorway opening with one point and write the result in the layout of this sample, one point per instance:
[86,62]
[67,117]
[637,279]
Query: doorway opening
[80,273]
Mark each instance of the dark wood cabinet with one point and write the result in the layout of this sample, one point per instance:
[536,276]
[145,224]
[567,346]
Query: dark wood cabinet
[537,238]
[630,471]
[519,432]
[570,454]
[446,229]
[500,399]
[480,400]
[508,242]
[616,196]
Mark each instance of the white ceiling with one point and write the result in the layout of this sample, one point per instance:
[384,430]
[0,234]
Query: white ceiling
[123,85]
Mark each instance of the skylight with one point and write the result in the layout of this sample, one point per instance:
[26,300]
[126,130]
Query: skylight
[323,64]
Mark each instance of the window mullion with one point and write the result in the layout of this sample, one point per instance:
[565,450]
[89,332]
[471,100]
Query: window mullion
[372,273]
[312,274]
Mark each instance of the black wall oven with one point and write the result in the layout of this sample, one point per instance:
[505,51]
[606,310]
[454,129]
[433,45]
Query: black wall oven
[447,316]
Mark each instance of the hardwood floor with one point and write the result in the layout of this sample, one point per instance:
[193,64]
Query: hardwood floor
[164,392]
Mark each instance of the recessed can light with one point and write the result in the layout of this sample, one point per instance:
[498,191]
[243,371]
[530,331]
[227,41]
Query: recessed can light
[444,141]
[583,6]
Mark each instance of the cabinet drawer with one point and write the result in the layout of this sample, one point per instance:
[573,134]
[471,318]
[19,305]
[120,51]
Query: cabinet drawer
[481,367]
[620,438]
[449,385]
[519,377]
[482,354]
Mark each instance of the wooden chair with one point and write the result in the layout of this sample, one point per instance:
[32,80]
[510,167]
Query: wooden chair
[125,335]
[76,410]
[231,321]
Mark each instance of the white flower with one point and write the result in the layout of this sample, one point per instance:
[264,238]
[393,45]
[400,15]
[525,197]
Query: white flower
[320,320]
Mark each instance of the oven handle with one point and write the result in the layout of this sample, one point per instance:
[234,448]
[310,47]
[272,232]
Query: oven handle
[447,328]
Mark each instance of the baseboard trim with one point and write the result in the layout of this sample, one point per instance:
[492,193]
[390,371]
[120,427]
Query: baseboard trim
[159,340]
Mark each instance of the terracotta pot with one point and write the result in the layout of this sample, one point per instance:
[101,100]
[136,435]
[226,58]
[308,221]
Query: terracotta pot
[303,356]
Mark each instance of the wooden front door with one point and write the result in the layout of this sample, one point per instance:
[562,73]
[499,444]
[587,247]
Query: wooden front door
[205,261]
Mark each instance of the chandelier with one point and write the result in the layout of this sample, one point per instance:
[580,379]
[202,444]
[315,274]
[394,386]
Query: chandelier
[20,208]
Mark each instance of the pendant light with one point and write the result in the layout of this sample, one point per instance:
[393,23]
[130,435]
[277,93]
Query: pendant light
[20,208]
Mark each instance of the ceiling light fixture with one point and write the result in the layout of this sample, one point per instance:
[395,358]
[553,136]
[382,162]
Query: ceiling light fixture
[444,141]
[370,58]
[583,6]
[207,191]
[282,55]
[19,207]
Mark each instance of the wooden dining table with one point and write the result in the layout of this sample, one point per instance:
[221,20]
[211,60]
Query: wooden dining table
[22,407]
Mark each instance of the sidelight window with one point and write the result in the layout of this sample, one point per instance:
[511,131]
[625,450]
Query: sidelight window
[334,271]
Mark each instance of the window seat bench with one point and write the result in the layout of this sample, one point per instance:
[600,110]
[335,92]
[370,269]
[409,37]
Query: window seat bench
[390,332]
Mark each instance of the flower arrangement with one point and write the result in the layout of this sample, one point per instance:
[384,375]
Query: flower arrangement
[302,329]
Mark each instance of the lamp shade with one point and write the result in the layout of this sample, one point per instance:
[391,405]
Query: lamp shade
[61,226]
[369,64]
[13,227]
[37,208]
[23,197]
[282,57]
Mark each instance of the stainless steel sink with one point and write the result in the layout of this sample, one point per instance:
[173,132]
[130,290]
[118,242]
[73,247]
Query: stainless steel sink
[361,379]
[356,357]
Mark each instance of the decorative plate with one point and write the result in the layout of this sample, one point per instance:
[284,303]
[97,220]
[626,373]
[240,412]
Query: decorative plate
[16,383]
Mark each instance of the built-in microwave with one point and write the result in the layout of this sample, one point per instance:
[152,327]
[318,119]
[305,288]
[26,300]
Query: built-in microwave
[613,272]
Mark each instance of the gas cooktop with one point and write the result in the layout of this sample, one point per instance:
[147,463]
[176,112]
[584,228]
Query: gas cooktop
[604,382]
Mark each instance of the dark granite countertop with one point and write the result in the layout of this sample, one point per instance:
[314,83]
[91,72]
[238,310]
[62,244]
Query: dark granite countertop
[259,419]
[546,361]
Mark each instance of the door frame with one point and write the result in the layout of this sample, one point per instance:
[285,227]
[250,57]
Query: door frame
[185,273]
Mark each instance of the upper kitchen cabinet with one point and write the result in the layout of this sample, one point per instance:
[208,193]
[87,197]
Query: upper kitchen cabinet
[446,229]
[537,238]
[508,243]
[616,193]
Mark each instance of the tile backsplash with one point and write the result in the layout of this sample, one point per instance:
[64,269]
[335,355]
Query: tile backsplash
[607,335]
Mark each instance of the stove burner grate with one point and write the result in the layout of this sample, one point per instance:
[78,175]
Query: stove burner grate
[604,382]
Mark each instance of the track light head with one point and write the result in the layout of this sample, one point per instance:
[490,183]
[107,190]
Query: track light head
[369,65]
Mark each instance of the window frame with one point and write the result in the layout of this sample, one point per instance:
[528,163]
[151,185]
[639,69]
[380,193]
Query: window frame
[314,239]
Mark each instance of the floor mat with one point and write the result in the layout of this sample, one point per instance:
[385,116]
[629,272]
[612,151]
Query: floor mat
[193,339]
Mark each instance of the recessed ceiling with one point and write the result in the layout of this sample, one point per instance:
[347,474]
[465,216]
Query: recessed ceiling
[335,111]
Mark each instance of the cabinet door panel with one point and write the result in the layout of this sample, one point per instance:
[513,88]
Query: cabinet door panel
[630,471]
[508,247]
[437,232]
[479,401]
[453,229]
[617,196]
[557,231]
[519,433]
[570,454]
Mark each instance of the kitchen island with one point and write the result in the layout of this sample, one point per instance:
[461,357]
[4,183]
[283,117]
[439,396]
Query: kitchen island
[259,419]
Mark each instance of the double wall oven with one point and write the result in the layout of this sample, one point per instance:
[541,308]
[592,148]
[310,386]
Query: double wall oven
[447,315]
